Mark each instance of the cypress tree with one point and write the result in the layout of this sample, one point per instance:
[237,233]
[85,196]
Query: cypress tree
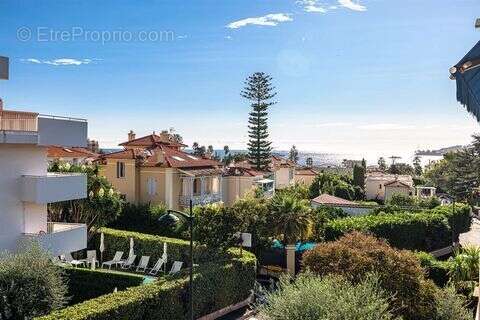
[259,90]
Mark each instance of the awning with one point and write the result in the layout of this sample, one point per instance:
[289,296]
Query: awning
[467,74]
[201,172]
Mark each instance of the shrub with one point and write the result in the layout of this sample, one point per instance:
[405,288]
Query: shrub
[402,200]
[435,270]
[332,297]
[463,269]
[85,284]
[451,306]
[216,285]
[427,230]
[30,284]
[355,255]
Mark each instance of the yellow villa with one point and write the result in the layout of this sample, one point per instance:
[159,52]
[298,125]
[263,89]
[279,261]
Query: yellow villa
[155,169]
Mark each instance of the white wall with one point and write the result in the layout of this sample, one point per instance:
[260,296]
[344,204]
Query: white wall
[282,177]
[15,217]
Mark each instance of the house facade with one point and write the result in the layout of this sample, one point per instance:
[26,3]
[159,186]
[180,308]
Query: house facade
[26,187]
[305,175]
[284,171]
[238,181]
[155,169]
[381,186]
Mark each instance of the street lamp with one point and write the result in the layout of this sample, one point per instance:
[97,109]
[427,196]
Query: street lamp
[172,215]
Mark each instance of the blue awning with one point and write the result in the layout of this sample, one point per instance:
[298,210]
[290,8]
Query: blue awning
[467,74]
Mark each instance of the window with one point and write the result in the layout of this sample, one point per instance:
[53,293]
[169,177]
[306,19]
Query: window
[151,186]
[120,169]
[379,186]
[196,186]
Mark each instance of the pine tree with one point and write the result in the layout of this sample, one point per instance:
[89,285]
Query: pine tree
[259,90]
[293,154]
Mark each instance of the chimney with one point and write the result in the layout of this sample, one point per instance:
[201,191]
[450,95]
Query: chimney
[131,135]
[160,156]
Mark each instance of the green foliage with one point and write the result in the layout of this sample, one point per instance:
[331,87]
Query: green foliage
[102,206]
[215,226]
[337,185]
[260,92]
[359,176]
[144,218]
[451,306]
[293,154]
[216,285]
[85,284]
[30,284]
[356,255]
[401,200]
[417,166]
[463,269]
[320,217]
[425,231]
[297,190]
[435,270]
[401,168]
[382,164]
[332,297]
[292,218]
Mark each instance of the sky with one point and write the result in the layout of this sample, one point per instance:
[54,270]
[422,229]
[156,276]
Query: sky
[363,77]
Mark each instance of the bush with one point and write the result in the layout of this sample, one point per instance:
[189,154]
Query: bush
[451,306]
[435,270]
[427,230]
[355,255]
[216,285]
[402,200]
[30,284]
[332,297]
[85,284]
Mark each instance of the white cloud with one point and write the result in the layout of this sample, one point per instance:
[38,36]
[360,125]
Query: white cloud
[268,20]
[228,37]
[385,126]
[61,61]
[312,6]
[352,5]
[315,9]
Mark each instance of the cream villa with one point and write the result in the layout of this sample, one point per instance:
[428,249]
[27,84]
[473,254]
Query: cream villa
[381,186]
[155,169]
[26,187]
[238,181]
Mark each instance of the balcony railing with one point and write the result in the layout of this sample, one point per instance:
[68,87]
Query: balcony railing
[200,199]
[18,121]
[61,238]
[53,187]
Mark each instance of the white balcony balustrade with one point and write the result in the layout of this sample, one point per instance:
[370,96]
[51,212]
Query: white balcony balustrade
[201,190]
[53,187]
[61,238]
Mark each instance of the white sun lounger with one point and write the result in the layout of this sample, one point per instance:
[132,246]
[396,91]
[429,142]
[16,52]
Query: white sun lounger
[143,264]
[91,257]
[156,268]
[116,260]
[177,265]
[127,264]
[73,262]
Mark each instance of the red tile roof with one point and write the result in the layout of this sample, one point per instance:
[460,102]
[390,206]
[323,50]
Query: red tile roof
[151,140]
[242,171]
[327,199]
[305,172]
[75,152]
[396,183]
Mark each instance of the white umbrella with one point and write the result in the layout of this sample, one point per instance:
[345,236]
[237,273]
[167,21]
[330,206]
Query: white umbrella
[131,252]
[164,255]
[102,245]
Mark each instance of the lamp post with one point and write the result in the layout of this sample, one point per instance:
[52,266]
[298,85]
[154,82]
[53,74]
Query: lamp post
[168,217]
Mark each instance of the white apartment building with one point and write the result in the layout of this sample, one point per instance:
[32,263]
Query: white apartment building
[26,187]
[381,186]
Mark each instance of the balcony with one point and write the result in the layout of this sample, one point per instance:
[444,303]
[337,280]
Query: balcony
[32,128]
[61,238]
[53,187]
[200,199]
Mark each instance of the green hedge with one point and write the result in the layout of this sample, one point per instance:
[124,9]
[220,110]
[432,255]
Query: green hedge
[85,284]
[436,270]
[216,285]
[144,244]
[423,231]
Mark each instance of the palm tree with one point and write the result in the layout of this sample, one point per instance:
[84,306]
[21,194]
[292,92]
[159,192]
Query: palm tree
[292,218]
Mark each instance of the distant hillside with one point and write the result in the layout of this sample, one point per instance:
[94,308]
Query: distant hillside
[439,152]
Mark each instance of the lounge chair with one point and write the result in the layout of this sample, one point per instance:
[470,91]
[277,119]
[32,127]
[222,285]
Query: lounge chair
[156,268]
[68,257]
[91,257]
[143,264]
[116,260]
[127,264]
[177,265]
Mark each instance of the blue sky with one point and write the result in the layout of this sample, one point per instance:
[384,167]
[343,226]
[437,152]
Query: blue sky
[367,77]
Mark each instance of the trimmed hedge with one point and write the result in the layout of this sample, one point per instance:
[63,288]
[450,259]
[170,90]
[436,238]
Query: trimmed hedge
[85,284]
[216,285]
[144,244]
[436,270]
[423,231]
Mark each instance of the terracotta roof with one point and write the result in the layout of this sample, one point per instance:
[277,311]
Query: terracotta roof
[242,171]
[305,172]
[278,161]
[396,183]
[152,140]
[75,152]
[162,156]
[332,200]
[201,172]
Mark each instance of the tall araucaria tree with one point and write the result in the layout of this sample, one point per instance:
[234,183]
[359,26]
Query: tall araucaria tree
[259,90]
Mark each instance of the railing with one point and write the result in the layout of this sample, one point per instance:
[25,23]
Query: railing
[18,121]
[200,199]
[55,227]
[49,116]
